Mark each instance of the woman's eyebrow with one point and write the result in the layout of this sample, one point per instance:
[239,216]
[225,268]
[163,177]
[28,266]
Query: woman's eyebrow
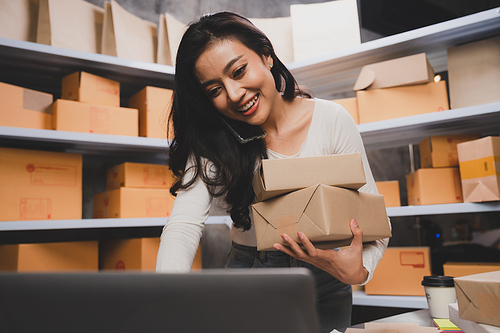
[225,70]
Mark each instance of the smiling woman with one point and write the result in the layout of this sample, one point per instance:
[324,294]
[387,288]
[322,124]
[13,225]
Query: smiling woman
[227,71]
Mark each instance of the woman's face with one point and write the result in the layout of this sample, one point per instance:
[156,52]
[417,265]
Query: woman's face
[238,81]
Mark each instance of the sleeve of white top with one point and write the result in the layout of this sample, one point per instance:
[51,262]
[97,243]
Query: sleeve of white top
[346,139]
[181,235]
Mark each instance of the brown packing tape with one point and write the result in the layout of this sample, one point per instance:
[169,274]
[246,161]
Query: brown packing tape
[287,225]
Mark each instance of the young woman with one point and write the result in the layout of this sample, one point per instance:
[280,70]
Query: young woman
[227,68]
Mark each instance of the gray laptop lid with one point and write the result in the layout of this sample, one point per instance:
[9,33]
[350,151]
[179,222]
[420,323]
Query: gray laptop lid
[263,300]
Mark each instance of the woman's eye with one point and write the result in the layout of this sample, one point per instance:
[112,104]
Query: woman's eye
[240,71]
[213,92]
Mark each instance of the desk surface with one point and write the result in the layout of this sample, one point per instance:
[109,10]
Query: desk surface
[420,317]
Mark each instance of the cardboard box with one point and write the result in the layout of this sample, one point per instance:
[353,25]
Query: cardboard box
[458,269]
[441,151]
[21,107]
[479,162]
[410,70]
[389,103]
[351,105]
[92,89]
[133,202]
[40,185]
[275,177]
[400,272]
[434,186]
[468,326]
[90,118]
[154,105]
[49,257]
[133,254]
[390,191]
[478,297]
[473,72]
[139,175]
[323,213]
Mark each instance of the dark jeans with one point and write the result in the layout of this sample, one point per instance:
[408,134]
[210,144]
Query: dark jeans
[333,298]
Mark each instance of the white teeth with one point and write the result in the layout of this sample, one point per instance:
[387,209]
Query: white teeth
[248,105]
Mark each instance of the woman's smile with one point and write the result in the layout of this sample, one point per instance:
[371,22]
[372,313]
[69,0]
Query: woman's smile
[249,107]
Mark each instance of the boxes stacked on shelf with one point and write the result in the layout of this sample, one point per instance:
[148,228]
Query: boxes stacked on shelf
[400,272]
[479,162]
[299,196]
[154,105]
[438,179]
[351,105]
[40,185]
[21,107]
[390,191]
[473,72]
[398,88]
[49,257]
[91,104]
[135,190]
[133,254]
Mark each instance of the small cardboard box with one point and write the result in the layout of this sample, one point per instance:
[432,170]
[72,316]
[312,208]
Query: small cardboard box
[40,185]
[49,257]
[478,297]
[410,70]
[390,191]
[473,72]
[90,118]
[441,151]
[275,177]
[400,272]
[323,213]
[389,103]
[142,175]
[128,202]
[479,162]
[21,107]
[133,254]
[434,186]
[458,269]
[88,88]
[154,105]
[351,105]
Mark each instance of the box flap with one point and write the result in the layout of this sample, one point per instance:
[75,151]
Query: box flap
[365,79]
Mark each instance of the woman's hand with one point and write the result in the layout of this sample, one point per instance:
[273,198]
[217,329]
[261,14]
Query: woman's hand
[346,265]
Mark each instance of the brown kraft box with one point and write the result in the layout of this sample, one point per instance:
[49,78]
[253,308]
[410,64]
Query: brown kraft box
[279,176]
[351,105]
[40,185]
[441,151]
[478,297]
[390,191]
[458,269]
[91,118]
[323,213]
[434,186]
[141,175]
[92,89]
[479,162]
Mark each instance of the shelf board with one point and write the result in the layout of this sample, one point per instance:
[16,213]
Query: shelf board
[457,208]
[97,223]
[482,119]
[337,72]
[410,302]
[76,142]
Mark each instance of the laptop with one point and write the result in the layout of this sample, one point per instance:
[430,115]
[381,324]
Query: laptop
[262,300]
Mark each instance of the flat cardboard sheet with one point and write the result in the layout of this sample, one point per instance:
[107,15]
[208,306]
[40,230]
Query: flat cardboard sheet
[279,176]
[18,19]
[322,28]
[410,70]
[323,213]
[479,162]
[478,297]
[170,31]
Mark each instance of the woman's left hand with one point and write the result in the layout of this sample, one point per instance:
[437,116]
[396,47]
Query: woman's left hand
[346,265]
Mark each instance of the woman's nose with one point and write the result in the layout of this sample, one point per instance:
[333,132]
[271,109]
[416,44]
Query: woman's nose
[235,92]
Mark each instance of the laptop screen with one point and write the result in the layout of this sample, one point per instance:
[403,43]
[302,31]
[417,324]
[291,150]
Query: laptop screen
[264,300]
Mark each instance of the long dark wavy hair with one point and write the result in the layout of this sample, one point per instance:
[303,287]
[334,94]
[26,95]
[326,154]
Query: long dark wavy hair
[199,135]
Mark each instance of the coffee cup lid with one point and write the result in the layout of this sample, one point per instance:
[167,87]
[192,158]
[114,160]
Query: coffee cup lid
[438,281]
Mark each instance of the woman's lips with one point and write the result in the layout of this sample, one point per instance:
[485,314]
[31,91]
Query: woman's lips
[254,107]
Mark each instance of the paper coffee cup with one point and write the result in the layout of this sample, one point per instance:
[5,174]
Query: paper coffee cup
[439,291]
